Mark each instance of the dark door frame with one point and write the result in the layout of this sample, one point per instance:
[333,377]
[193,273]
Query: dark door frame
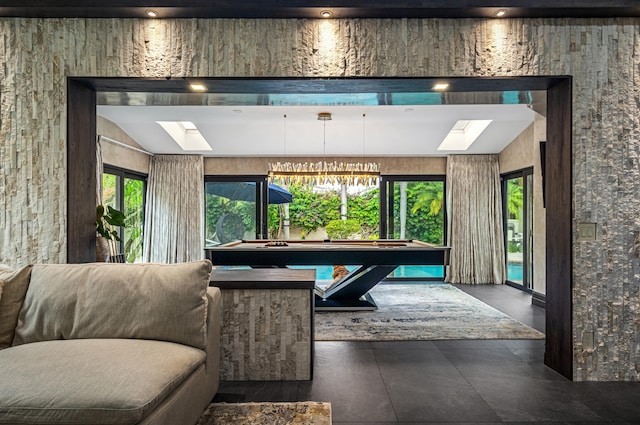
[81,164]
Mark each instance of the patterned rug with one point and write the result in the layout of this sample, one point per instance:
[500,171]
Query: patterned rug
[416,312]
[302,413]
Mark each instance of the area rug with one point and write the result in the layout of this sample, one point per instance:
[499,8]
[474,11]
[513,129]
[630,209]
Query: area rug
[416,312]
[301,413]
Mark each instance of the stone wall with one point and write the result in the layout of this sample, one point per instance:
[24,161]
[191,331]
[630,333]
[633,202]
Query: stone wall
[603,56]
[266,335]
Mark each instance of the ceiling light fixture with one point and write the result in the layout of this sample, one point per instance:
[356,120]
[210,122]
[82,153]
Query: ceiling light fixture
[440,86]
[151,13]
[326,13]
[321,173]
[324,116]
[198,87]
[500,13]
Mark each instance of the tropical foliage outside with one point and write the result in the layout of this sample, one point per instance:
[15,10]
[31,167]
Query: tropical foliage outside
[312,210]
[425,212]
[133,210]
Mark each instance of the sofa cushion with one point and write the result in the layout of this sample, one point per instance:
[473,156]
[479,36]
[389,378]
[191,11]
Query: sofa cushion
[97,381]
[165,302]
[14,287]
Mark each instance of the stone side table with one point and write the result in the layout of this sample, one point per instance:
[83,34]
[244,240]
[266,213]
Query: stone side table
[267,324]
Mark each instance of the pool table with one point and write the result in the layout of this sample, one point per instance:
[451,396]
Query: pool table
[375,258]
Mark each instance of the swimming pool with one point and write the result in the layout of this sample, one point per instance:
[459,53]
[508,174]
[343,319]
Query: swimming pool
[323,273]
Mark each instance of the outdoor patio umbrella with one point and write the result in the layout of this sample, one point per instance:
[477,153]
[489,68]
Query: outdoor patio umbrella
[246,191]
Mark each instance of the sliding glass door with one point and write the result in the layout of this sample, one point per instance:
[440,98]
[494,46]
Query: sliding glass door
[413,207]
[517,189]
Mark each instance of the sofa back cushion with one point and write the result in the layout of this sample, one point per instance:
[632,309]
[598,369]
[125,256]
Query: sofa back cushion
[165,302]
[14,284]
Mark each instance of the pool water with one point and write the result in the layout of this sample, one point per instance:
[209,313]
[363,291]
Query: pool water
[323,273]
[514,272]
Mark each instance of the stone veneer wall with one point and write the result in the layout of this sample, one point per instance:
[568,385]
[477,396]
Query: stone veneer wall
[603,56]
[266,335]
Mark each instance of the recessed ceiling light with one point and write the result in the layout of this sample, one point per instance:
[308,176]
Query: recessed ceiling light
[151,13]
[198,87]
[326,13]
[500,13]
[440,86]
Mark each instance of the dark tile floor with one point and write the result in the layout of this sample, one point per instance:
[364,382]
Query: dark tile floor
[462,382]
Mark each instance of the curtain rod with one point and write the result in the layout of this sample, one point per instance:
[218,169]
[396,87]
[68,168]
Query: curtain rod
[124,145]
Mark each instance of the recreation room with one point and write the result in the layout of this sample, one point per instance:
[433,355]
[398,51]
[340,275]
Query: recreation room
[374,212]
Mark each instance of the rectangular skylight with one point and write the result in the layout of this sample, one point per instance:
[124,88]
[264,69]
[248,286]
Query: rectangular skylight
[463,134]
[186,135]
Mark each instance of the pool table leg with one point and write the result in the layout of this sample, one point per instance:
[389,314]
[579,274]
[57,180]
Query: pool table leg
[366,303]
[348,293]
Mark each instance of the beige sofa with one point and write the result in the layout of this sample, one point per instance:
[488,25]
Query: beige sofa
[108,343]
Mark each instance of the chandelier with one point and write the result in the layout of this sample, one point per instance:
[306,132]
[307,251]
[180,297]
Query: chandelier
[323,172]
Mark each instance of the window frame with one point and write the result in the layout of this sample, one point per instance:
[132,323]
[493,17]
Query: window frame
[262,205]
[123,173]
[386,205]
[526,285]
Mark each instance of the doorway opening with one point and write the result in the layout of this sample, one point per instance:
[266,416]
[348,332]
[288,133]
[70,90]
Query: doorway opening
[81,166]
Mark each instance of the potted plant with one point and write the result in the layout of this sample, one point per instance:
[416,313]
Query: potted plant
[106,221]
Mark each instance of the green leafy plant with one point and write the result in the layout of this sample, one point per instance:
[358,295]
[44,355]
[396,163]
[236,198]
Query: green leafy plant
[106,220]
[342,229]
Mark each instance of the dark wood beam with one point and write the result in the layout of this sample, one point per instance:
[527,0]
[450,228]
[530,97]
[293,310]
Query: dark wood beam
[81,173]
[312,8]
[559,213]
[321,85]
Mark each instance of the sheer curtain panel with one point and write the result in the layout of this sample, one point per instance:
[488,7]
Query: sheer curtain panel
[474,209]
[174,210]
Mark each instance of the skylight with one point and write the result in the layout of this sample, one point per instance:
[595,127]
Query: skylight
[186,135]
[463,134]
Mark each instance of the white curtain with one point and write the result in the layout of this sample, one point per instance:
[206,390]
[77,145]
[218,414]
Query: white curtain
[474,212]
[174,217]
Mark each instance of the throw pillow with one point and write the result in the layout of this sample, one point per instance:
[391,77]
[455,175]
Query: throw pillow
[14,288]
[165,302]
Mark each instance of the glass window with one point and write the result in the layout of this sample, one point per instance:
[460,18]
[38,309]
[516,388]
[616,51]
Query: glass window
[134,192]
[517,189]
[231,209]
[415,209]
[125,191]
[337,211]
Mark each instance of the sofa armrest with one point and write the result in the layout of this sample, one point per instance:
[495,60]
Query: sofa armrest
[214,323]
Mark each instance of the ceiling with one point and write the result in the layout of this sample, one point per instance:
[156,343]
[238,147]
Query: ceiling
[385,130]
[313,8]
